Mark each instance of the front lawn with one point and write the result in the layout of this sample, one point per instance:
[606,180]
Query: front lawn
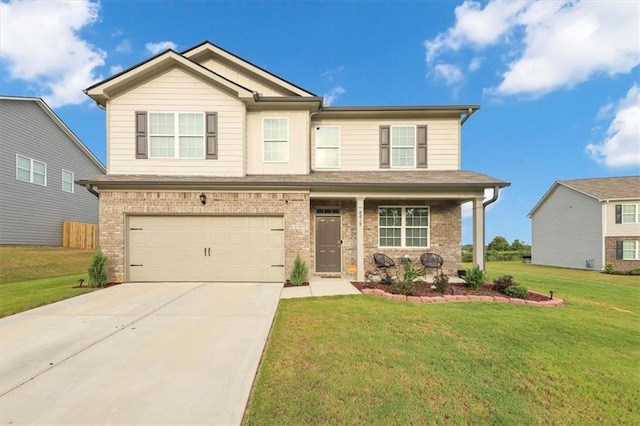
[369,360]
[32,276]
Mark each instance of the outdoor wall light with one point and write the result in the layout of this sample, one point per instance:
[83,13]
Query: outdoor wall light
[203,199]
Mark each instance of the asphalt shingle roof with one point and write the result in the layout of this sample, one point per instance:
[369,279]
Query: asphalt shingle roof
[607,188]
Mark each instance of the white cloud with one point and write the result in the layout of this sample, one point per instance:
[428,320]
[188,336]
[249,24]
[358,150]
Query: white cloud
[467,208]
[333,73]
[42,45]
[552,44]
[621,147]
[115,69]
[450,73]
[124,46]
[155,48]
[333,94]
[475,64]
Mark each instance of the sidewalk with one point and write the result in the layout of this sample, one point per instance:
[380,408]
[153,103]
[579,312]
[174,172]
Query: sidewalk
[320,287]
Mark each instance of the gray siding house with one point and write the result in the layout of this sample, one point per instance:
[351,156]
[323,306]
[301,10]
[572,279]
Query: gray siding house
[588,223]
[40,160]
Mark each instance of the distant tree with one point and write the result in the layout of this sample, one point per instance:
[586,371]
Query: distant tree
[499,243]
[518,245]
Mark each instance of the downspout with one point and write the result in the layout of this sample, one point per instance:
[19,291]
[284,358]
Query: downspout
[492,200]
[466,117]
[310,130]
[91,190]
[603,238]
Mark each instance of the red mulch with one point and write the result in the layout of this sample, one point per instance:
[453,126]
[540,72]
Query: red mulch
[424,289]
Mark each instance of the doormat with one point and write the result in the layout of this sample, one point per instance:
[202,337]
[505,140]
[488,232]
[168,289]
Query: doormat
[330,276]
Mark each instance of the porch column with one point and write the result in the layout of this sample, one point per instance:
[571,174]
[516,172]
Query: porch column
[478,232]
[360,239]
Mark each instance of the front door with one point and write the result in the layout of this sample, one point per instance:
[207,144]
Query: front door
[328,242]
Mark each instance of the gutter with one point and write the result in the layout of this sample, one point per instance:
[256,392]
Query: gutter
[470,112]
[494,198]
[91,190]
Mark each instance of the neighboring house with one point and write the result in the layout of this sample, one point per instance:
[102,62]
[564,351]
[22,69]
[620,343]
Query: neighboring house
[40,159]
[220,170]
[587,223]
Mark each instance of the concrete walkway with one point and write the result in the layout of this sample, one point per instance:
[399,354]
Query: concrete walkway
[154,353]
[320,287]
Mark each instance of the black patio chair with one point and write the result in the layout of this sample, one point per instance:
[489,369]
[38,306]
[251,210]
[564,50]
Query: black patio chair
[384,263]
[432,261]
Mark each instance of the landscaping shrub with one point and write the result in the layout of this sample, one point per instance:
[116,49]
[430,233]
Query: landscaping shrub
[299,271]
[474,277]
[98,269]
[518,291]
[408,288]
[441,282]
[609,268]
[412,272]
[502,283]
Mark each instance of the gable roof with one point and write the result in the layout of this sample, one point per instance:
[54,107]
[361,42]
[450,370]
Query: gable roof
[54,117]
[112,86]
[601,189]
[208,48]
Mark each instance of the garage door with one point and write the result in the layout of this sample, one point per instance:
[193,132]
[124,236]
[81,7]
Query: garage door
[206,248]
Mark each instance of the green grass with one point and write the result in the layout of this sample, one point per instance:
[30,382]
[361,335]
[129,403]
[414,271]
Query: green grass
[369,360]
[33,276]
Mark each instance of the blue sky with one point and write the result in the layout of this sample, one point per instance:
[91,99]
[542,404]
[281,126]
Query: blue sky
[558,81]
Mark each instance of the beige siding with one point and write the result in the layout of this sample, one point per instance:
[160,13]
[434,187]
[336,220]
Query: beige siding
[243,78]
[176,91]
[620,229]
[298,143]
[359,144]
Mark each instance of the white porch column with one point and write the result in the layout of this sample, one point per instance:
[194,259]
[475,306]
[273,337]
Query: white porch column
[478,232]
[360,238]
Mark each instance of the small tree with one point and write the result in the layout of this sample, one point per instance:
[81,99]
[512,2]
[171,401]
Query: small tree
[98,270]
[499,243]
[299,271]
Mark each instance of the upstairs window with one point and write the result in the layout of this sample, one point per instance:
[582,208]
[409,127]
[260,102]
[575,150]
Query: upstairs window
[327,147]
[67,181]
[176,135]
[403,146]
[404,227]
[631,213]
[30,170]
[275,140]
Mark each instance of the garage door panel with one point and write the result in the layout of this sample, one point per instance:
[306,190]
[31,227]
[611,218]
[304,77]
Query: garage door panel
[206,248]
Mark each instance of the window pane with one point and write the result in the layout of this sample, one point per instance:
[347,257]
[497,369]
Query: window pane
[275,151]
[402,157]
[39,167]
[275,129]
[162,147]
[403,136]
[161,123]
[416,237]
[24,163]
[390,216]
[629,213]
[390,237]
[327,137]
[191,147]
[24,175]
[327,157]
[38,178]
[417,216]
[191,124]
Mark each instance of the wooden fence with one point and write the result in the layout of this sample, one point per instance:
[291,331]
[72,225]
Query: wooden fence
[79,235]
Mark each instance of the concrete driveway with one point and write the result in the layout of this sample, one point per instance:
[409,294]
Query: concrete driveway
[152,353]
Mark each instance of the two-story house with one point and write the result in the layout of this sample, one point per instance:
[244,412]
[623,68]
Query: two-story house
[40,160]
[588,223]
[219,170]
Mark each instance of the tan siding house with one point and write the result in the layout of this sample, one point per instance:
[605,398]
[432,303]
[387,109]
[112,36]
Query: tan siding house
[588,223]
[222,171]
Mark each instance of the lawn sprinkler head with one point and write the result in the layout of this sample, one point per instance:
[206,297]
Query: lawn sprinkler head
[81,281]
[551,293]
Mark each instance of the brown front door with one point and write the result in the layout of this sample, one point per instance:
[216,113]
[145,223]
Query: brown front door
[328,251]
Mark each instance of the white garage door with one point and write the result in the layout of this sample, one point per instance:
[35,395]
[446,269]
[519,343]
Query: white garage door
[206,248]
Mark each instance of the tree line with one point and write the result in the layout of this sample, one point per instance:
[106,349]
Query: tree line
[499,249]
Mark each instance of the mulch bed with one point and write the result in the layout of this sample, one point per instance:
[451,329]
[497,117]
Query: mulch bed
[425,289]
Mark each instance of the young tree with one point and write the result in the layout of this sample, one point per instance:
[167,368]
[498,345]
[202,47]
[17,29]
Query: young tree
[499,243]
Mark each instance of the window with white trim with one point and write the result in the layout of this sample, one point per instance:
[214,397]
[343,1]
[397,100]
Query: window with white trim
[30,170]
[67,181]
[275,140]
[630,250]
[404,227]
[328,147]
[403,146]
[631,213]
[176,135]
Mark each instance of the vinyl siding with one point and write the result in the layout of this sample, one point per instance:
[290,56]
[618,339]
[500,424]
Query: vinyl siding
[245,79]
[567,230]
[359,142]
[620,229]
[176,91]
[298,143]
[32,214]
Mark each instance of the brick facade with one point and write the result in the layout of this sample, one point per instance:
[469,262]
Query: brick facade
[116,205]
[610,254]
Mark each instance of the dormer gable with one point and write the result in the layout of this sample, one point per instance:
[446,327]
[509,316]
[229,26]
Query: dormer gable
[243,72]
[139,74]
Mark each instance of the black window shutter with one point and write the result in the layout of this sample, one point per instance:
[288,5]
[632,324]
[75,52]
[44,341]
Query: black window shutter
[618,213]
[385,147]
[141,134]
[212,135]
[421,153]
[619,250]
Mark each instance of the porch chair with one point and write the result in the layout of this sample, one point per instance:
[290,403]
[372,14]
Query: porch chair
[431,261]
[384,263]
